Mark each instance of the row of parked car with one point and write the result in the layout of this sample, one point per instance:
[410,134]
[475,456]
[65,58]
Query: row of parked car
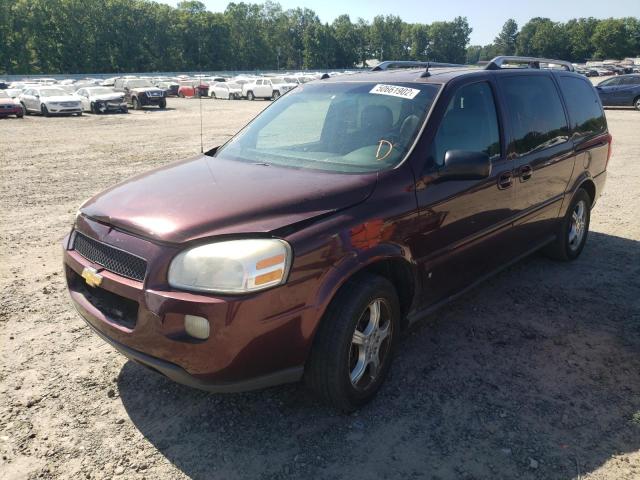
[607,70]
[48,96]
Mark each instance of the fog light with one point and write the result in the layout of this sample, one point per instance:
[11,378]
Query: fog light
[197,327]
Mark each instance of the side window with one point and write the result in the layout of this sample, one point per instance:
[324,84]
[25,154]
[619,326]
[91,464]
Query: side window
[259,82]
[587,117]
[535,113]
[470,123]
[630,81]
[612,82]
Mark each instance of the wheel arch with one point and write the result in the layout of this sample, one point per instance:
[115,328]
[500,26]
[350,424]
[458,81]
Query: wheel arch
[388,261]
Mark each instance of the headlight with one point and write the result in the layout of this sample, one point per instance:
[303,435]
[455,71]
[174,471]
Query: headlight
[235,266]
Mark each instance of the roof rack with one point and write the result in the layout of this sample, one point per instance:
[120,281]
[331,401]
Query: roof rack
[532,62]
[392,64]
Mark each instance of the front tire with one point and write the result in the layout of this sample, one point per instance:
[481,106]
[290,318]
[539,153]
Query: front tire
[636,103]
[352,350]
[136,103]
[163,104]
[44,110]
[250,96]
[573,230]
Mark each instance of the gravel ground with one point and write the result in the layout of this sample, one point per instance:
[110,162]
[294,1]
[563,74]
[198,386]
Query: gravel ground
[535,374]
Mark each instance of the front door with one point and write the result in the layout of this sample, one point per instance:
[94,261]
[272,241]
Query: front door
[464,224]
[607,91]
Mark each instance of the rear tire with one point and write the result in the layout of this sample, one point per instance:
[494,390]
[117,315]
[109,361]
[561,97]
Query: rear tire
[573,229]
[276,95]
[44,110]
[163,104]
[346,368]
[636,103]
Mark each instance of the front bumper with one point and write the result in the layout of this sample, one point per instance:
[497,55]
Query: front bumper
[256,340]
[110,105]
[60,109]
[10,110]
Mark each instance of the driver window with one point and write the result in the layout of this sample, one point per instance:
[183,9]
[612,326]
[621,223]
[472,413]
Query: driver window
[470,123]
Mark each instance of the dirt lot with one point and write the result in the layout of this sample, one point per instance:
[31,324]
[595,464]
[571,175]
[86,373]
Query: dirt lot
[535,374]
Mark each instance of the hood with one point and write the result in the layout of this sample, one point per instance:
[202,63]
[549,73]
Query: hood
[207,196]
[61,98]
[146,89]
[107,96]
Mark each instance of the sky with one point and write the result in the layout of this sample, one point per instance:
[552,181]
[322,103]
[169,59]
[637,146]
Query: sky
[485,17]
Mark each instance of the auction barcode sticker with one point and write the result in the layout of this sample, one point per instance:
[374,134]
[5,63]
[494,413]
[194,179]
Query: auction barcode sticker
[395,91]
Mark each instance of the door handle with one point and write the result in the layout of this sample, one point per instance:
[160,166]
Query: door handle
[525,173]
[505,180]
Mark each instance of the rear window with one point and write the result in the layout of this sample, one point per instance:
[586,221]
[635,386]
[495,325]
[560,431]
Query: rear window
[585,112]
[535,110]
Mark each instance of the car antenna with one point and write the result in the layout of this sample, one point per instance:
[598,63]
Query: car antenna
[199,92]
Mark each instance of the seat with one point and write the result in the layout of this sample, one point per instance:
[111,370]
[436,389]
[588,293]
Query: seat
[376,121]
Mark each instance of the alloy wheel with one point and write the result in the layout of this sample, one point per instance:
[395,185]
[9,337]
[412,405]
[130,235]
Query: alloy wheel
[578,224]
[370,344]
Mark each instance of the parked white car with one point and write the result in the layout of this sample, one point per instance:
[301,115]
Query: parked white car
[101,100]
[226,90]
[50,101]
[270,88]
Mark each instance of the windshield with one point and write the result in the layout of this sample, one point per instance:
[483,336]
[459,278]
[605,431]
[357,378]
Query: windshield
[52,92]
[339,127]
[99,91]
[139,83]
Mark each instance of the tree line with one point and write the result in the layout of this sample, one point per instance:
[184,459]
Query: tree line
[101,36]
[577,40]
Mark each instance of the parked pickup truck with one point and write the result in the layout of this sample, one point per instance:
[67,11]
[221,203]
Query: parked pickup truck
[140,92]
[268,88]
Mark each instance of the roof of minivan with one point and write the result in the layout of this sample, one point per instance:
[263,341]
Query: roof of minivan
[437,75]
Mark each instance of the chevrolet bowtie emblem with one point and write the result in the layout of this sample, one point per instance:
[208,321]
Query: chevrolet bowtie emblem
[91,276]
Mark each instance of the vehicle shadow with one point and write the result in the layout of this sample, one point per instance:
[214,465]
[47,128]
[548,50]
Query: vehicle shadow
[535,374]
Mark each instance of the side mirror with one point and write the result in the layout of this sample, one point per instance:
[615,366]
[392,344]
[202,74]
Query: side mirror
[465,165]
[36,95]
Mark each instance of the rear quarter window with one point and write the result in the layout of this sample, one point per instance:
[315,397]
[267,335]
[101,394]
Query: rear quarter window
[535,112]
[585,112]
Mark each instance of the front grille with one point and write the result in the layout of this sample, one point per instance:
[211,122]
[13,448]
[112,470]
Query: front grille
[68,104]
[117,309]
[111,258]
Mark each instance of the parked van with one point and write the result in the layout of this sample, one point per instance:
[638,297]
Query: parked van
[342,214]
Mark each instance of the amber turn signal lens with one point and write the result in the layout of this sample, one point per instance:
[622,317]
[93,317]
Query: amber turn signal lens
[270,262]
[269,277]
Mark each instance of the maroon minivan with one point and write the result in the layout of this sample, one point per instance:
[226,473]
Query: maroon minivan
[343,213]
